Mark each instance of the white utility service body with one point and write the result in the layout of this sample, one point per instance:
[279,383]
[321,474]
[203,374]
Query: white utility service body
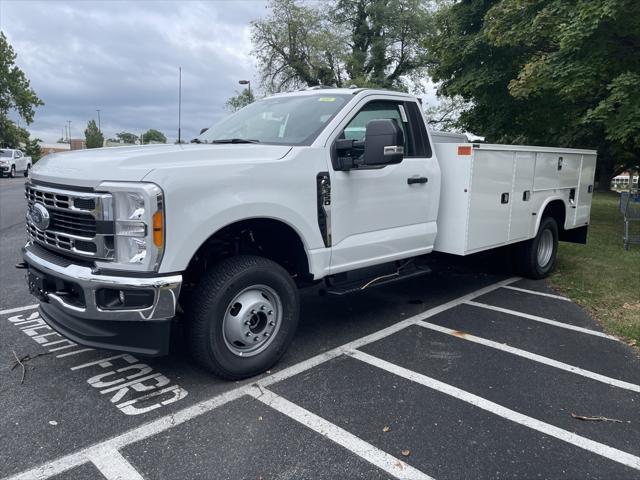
[13,161]
[341,186]
[494,195]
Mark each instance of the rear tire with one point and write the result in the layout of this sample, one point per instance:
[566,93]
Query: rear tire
[242,316]
[538,255]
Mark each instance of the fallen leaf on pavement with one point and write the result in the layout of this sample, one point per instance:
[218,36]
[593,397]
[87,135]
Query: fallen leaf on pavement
[386,428]
[406,452]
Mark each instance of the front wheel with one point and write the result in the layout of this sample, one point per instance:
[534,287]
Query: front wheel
[26,172]
[539,254]
[242,316]
[12,174]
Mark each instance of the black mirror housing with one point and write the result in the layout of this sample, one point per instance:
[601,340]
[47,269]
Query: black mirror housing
[383,143]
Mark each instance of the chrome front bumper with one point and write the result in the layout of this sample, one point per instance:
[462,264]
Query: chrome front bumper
[166,288]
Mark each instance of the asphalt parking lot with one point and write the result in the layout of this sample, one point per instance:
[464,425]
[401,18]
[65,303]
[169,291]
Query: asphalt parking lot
[459,374]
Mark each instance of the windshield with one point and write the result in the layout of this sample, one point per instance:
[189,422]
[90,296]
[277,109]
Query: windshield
[5,153]
[295,120]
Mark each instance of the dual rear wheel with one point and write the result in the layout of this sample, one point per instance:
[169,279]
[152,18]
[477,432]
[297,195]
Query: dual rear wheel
[537,257]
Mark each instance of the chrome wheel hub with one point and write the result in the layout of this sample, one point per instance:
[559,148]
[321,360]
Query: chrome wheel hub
[252,320]
[545,248]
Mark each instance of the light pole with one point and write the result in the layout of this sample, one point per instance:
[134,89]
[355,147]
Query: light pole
[69,132]
[248,84]
[99,129]
[179,102]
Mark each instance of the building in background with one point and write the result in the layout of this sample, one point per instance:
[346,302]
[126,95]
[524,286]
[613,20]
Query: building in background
[621,182]
[48,148]
[78,144]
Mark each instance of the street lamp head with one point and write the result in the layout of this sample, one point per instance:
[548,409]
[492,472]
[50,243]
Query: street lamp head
[244,82]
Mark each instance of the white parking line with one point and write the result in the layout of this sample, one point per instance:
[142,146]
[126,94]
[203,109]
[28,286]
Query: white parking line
[19,309]
[114,466]
[535,292]
[368,452]
[536,318]
[582,442]
[162,424]
[532,356]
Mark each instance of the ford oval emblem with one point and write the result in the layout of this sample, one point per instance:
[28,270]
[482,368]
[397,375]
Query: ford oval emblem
[40,216]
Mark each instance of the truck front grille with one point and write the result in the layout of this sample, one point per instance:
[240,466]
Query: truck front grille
[75,223]
[80,223]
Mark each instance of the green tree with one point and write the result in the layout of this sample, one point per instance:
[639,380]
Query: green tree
[126,137]
[16,95]
[341,42]
[93,136]
[154,136]
[554,72]
[240,100]
[32,149]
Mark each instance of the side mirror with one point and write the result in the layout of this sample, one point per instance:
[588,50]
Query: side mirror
[383,143]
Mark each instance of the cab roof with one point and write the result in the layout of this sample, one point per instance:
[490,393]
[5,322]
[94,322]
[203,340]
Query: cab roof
[320,90]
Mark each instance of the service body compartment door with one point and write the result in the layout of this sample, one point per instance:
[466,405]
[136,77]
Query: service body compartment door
[520,221]
[489,209]
[584,195]
[569,173]
[546,172]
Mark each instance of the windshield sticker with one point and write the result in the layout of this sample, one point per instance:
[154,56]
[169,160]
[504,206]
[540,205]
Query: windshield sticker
[327,99]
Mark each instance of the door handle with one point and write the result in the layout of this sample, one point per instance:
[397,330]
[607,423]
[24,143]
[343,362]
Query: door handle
[412,180]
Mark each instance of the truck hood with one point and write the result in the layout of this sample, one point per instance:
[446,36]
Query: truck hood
[88,168]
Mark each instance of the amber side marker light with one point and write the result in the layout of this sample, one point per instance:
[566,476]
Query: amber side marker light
[158,229]
[464,150]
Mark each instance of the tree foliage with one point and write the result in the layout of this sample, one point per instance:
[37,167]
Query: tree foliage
[93,136]
[153,136]
[240,100]
[32,149]
[372,43]
[554,72]
[16,95]
[126,137]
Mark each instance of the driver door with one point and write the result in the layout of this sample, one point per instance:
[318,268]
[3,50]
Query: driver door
[388,213]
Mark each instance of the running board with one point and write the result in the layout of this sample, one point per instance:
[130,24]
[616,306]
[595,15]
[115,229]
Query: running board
[357,286]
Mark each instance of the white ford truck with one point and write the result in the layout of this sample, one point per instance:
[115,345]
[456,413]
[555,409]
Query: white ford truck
[13,161]
[340,186]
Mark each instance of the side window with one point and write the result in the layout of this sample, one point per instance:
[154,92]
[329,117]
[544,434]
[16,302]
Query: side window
[421,139]
[376,110]
[18,154]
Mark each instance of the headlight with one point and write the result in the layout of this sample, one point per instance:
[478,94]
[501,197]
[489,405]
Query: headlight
[138,215]
[4,162]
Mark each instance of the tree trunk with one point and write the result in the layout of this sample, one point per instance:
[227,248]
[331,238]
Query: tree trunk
[605,174]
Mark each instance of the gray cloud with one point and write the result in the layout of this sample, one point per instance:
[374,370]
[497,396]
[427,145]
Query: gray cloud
[123,56]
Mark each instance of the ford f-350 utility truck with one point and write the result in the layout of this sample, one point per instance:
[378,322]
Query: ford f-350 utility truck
[341,186]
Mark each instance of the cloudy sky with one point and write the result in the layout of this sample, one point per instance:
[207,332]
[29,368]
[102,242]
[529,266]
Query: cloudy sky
[122,57]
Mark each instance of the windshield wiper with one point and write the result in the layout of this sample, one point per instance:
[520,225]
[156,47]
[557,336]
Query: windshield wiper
[235,140]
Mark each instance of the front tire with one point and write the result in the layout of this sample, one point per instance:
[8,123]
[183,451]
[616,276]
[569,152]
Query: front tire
[12,174]
[26,172]
[539,254]
[242,316]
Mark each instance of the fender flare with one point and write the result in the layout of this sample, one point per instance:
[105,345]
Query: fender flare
[543,208]
[288,224]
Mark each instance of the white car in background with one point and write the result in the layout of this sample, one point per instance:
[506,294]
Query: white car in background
[13,161]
